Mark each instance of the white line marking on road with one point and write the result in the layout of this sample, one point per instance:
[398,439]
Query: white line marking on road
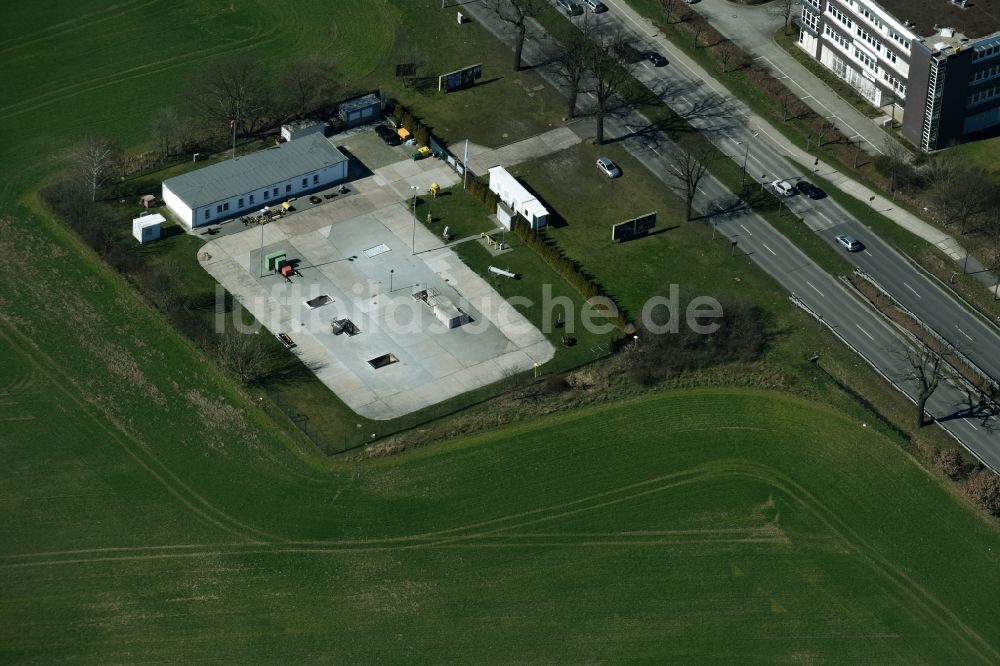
[971,424]
[746,230]
[964,333]
[815,289]
[869,253]
[912,289]
[865,332]
[769,249]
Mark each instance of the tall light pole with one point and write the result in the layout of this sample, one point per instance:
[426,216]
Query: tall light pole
[746,157]
[413,239]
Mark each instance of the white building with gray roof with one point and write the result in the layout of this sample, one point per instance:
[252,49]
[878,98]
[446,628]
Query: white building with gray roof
[248,183]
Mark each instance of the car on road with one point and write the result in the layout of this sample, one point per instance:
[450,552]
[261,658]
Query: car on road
[570,7]
[810,190]
[655,58]
[388,135]
[596,6]
[783,187]
[850,243]
[608,168]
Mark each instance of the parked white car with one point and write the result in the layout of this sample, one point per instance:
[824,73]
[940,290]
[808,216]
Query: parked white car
[783,187]
[608,168]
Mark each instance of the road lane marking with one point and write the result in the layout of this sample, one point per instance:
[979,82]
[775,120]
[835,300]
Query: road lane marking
[971,424]
[746,230]
[865,332]
[912,289]
[869,253]
[815,289]
[769,249]
[964,333]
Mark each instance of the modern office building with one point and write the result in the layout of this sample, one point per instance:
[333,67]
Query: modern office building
[933,64]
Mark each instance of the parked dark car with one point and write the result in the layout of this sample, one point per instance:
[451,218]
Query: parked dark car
[388,135]
[656,59]
[570,7]
[810,190]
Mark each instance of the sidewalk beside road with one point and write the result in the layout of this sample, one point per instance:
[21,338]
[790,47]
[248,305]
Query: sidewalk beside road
[947,244]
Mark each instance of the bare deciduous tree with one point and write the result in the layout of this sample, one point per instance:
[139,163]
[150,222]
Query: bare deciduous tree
[244,354]
[729,53]
[895,160]
[670,8]
[690,167]
[232,88]
[571,63]
[516,13]
[95,157]
[165,126]
[610,74]
[307,85]
[925,368]
[962,196]
[786,10]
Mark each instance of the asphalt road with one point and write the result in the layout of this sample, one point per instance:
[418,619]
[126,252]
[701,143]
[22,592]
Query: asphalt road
[853,321]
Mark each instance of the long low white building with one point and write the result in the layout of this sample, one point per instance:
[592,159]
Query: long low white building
[247,184]
[517,199]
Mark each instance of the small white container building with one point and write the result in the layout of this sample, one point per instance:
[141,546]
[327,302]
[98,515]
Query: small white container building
[147,227]
[516,199]
[264,178]
[301,128]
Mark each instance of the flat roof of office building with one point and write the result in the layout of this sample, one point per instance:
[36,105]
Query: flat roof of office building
[979,18]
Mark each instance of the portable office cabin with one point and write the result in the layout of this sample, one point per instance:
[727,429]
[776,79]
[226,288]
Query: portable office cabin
[248,183]
[516,198]
[360,110]
[147,227]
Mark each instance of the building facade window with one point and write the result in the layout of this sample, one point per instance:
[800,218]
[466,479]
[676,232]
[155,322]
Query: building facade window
[208,213]
[984,96]
[866,59]
[810,20]
[837,37]
[305,182]
[839,15]
[815,3]
[276,191]
[225,206]
[218,209]
[266,194]
[985,74]
[315,178]
[865,35]
[251,199]
[986,52]
[240,205]
[288,187]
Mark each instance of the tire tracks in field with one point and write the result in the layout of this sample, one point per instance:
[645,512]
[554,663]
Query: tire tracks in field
[932,608]
[151,68]
[134,448]
[58,29]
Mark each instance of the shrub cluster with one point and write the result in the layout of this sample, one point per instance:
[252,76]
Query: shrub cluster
[741,336]
[980,484]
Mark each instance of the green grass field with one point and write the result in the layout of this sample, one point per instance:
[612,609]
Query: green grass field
[721,525]
[154,511]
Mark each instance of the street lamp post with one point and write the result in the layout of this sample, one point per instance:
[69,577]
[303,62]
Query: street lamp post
[746,156]
[391,271]
[413,238]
